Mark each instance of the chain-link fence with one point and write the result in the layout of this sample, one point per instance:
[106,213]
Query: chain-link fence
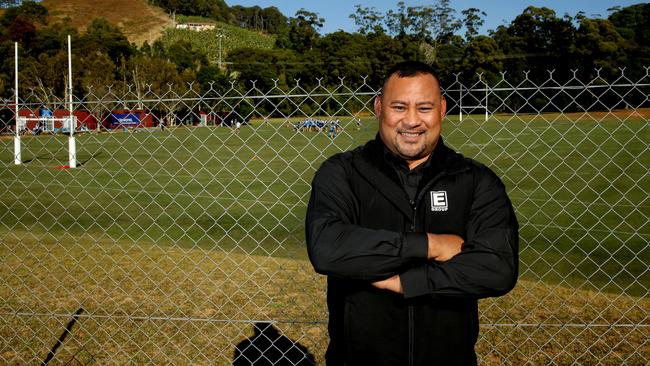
[179,238]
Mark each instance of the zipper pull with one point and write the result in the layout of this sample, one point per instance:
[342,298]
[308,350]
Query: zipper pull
[414,208]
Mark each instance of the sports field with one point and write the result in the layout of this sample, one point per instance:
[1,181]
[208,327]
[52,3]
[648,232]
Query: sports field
[205,223]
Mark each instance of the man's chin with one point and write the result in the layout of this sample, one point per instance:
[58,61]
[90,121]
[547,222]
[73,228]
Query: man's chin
[411,156]
[410,153]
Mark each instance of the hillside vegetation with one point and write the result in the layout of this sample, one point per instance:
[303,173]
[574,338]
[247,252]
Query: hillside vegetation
[232,37]
[138,20]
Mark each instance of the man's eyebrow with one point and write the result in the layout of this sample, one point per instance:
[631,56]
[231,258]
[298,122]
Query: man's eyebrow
[422,103]
[398,102]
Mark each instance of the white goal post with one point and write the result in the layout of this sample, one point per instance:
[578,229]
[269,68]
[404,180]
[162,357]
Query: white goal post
[46,123]
[483,103]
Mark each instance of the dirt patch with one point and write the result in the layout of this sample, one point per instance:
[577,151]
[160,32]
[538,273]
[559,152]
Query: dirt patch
[138,20]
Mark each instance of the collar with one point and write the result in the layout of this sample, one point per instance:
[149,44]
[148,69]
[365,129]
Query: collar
[371,162]
[398,163]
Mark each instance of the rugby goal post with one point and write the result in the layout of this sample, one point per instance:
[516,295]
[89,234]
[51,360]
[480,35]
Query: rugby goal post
[46,123]
[482,102]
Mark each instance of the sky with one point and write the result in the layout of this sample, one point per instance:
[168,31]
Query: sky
[337,12]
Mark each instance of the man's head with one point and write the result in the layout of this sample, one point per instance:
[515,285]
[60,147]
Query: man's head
[410,111]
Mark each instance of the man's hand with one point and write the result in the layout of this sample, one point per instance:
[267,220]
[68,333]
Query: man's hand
[391,284]
[443,247]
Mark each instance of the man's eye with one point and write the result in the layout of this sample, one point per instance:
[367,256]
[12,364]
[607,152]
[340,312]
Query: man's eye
[399,108]
[426,110]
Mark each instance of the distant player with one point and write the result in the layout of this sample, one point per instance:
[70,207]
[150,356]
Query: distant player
[331,132]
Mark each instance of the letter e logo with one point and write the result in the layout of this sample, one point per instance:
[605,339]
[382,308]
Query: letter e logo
[439,201]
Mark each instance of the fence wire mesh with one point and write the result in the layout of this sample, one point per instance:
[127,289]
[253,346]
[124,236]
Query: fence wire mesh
[179,238]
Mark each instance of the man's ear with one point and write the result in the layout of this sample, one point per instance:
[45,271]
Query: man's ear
[443,107]
[378,106]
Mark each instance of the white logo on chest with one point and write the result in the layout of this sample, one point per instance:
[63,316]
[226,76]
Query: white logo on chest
[439,201]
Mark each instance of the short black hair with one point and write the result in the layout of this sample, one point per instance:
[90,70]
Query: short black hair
[407,69]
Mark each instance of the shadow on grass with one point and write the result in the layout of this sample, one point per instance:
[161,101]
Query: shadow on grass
[93,156]
[268,347]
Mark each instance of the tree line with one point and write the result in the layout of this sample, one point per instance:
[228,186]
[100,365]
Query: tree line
[268,19]
[535,43]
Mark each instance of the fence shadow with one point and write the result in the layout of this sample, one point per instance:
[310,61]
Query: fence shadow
[268,347]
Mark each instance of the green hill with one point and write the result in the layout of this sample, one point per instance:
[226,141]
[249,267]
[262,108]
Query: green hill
[232,37]
[140,22]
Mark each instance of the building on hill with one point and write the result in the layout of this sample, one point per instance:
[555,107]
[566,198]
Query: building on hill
[196,27]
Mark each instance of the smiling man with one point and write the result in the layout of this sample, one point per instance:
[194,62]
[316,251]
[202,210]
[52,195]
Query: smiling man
[410,234]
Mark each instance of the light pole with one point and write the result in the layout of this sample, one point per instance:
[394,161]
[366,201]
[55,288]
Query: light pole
[220,36]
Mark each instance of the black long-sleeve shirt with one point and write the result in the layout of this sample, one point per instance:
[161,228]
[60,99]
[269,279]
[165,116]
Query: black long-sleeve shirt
[362,226]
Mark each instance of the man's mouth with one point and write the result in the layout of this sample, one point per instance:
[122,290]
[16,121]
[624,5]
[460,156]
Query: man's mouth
[409,134]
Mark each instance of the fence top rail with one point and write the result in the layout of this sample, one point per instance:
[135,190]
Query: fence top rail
[226,97]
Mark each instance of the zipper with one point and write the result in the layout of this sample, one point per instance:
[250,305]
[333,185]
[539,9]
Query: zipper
[413,227]
[411,325]
[414,208]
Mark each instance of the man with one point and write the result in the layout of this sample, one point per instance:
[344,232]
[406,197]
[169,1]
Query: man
[410,234]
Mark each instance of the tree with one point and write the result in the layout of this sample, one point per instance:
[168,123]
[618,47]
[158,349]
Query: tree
[30,11]
[343,55]
[447,56]
[274,21]
[446,23]
[302,31]
[213,80]
[472,21]
[261,66]
[367,19]
[398,21]
[216,9]
[185,56]
[633,24]
[46,76]
[538,40]
[152,72]
[434,27]
[101,36]
[53,38]
[21,30]
[421,21]
[268,19]
[599,46]
[482,55]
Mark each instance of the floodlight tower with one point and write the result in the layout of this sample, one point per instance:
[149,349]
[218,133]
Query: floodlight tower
[220,37]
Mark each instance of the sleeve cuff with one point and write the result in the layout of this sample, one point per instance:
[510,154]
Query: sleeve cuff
[415,246]
[415,282]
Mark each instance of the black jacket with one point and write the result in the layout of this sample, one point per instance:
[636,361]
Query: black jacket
[361,228]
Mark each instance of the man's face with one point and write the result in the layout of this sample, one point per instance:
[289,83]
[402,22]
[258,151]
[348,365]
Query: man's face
[410,112]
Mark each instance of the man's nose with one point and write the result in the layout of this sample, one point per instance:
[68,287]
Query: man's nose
[411,119]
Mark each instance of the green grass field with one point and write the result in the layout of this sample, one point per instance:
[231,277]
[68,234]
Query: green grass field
[208,224]
[579,187]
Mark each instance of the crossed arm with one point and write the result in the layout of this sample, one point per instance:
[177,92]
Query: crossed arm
[482,264]
[441,248]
